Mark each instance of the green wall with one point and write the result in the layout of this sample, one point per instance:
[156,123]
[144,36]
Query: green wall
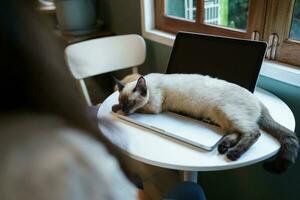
[245,183]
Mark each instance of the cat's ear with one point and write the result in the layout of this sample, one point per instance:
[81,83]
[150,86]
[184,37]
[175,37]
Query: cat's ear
[141,86]
[120,85]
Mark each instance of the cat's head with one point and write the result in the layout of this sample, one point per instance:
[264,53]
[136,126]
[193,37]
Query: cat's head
[133,95]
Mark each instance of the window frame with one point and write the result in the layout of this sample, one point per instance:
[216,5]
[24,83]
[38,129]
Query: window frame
[257,10]
[286,73]
[274,20]
[279,21]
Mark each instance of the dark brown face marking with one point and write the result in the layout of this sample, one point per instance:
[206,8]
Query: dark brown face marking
[126,104]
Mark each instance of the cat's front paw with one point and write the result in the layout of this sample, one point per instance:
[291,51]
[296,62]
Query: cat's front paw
[233,155]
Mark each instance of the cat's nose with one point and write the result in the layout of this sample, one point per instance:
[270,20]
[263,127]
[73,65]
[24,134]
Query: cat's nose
[125,109]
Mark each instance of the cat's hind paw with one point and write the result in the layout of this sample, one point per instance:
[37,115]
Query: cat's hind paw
[229,141]
[233,155]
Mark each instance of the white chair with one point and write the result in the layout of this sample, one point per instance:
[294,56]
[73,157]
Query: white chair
[98,56]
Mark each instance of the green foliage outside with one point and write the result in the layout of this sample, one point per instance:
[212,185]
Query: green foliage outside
[224,13]
[238,13]
[233,13]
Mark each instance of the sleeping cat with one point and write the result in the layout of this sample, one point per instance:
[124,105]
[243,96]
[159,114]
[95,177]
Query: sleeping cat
[232,107]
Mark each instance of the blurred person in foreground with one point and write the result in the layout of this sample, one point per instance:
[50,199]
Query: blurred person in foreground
[50,147]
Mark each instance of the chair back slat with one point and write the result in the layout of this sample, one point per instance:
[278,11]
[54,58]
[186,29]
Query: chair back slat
[98,56]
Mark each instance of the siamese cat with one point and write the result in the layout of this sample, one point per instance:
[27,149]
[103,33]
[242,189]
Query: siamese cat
[236,110]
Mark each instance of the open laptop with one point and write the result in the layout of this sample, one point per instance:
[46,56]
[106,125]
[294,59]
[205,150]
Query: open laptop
[234,60]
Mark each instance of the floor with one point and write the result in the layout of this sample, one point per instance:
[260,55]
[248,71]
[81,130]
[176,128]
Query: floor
[157,181]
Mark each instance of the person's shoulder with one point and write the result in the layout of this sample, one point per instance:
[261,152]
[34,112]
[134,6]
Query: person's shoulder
[45,150]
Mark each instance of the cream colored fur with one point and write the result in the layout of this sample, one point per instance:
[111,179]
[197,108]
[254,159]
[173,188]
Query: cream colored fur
[227,104]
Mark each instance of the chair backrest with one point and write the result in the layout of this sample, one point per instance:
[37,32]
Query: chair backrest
[98,56]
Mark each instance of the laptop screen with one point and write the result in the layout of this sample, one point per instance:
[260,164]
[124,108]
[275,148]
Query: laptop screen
[234,60]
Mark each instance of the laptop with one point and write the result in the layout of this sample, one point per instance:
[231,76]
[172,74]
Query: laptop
[184,129]
[234,60]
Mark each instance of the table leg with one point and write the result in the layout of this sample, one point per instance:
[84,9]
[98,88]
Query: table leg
[190,176]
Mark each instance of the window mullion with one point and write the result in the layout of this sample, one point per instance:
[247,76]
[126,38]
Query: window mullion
[199,11]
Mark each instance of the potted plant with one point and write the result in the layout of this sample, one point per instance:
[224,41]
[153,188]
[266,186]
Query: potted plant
[76,17]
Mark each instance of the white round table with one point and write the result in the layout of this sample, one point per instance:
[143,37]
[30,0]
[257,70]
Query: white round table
[155,149]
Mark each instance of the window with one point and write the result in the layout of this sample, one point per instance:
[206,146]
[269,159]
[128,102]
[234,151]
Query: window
[232,14]
[213,12]
[274,21]
[295,26]
[46,5]
[185,9]
[235,18]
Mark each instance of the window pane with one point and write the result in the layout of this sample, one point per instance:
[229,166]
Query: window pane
[185,9]
[295,28]
[228,13]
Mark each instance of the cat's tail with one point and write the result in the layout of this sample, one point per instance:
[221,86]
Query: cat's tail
[288,140]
